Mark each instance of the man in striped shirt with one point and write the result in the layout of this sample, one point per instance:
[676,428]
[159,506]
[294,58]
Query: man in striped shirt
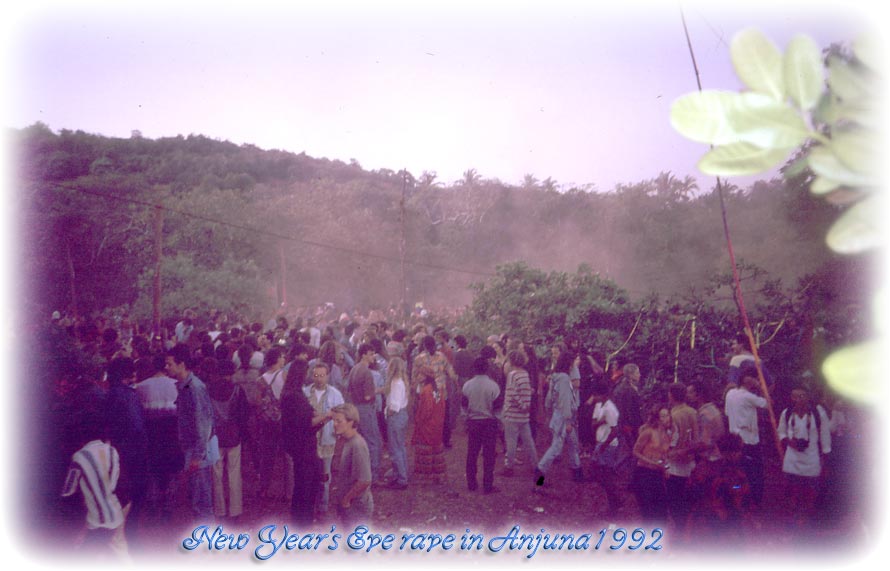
[95,470]
[517,404]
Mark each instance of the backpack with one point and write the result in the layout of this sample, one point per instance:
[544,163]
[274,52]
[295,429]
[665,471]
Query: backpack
[814,412]
[225,419]
[270,406]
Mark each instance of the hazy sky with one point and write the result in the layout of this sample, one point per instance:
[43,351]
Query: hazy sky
[569,90]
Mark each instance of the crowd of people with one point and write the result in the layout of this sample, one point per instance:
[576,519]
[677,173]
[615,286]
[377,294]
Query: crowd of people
[323,411]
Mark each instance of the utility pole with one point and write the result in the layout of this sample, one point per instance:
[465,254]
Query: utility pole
[403,242]
[282,269]
[73,278]
[159,254]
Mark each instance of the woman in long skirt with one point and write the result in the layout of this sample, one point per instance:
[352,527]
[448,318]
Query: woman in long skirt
[429,419]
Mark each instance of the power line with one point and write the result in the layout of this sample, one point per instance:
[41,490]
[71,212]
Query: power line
[252,230]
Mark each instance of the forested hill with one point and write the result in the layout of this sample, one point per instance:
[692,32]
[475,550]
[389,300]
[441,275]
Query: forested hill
[236,218]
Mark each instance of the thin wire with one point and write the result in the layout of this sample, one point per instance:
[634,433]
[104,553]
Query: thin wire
[740,302]
[252,230]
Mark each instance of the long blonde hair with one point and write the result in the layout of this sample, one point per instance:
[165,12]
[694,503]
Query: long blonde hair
[395,369]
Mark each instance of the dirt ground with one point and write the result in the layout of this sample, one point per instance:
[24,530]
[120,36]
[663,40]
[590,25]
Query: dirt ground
[560,506]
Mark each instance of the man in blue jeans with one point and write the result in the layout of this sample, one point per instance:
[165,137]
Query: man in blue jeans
[195,413]
[481,396]
[362,393]
[564,399]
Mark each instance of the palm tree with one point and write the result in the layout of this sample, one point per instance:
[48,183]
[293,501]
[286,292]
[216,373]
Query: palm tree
[471,178]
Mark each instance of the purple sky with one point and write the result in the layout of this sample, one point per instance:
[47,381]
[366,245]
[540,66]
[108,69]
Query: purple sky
[578,93]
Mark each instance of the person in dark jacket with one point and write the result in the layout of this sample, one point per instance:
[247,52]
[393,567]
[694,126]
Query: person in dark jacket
[126,432]
[299,423]
[230,417]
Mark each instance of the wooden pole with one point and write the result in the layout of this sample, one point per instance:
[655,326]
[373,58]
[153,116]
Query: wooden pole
[282,269]
[737,290]
[159,255]
[73,278]
[403,246]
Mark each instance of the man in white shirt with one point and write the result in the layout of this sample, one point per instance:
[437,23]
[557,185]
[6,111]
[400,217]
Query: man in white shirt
[605,455]
[157,394]
[806,435]
[741,413]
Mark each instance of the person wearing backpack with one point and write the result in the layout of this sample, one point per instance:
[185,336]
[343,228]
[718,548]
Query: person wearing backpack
[268,443]
[230,413]
[805,434]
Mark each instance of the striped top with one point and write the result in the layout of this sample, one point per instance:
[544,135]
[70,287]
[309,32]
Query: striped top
[517,396]
[95,469]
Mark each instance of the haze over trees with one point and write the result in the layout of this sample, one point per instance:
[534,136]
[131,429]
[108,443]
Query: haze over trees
[237,218]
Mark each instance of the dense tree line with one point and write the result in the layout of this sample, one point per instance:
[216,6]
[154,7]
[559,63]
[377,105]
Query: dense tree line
[236,218]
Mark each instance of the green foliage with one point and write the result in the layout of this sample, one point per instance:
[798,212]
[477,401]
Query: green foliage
[684,338]
[339,227]
[790,105]
[531,304]
[231,287]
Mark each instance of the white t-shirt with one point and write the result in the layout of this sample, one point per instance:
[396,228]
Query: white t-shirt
[608,411]
[806,463]
[741,412]
[276,381]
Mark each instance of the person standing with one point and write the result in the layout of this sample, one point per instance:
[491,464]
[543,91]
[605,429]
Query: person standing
[94,471]
[604,427]
[127,434]
[352,491]
[396,412]
[429,417]
[564,401]
[158,395]
[433,360]
[805,434]
[481,394]
[741,407]
[650,451]
[626,396]
[681,455]
[195,413]
[324,397]
[299,425]
[362,394]
[230,410]
[517,404]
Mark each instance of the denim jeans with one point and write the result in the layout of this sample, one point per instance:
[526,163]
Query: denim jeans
[326,491]
[397,429]
[371,433]
[560,439]
[514,431]
[200,485]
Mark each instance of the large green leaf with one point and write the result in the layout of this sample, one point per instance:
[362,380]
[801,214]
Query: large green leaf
[758,63]
[702,116]
[797,167]
[802,72]
[858,229]
[846,81]
[825,163]
[768,124]
[855,371]
[822,185]
[832,111]
[725,117]
[856,149]
[867,51]
[740,159]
